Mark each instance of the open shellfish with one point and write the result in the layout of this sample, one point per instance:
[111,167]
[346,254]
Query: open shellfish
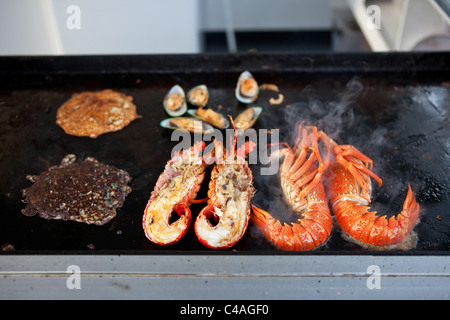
[247,88]
[175,101]
[247,118]
[198,96]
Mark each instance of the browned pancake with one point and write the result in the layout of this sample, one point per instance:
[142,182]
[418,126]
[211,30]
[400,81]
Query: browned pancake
[92,113]
[86,191]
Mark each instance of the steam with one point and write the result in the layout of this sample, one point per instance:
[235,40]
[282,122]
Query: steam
[330,116]
[342,121]
[333,117]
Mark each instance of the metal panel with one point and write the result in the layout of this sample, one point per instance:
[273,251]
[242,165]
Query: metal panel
[239,277]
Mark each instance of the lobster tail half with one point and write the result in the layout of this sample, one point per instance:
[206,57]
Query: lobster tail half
[175,190]
[164,232]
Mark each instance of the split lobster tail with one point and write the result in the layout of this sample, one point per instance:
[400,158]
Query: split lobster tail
[223,222]
[175,190]
[171,233]
[217,233]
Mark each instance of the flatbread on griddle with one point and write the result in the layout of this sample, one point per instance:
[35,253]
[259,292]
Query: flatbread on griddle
[86,191]
[92,113]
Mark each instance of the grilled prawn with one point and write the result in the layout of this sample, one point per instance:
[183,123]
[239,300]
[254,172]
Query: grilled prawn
[175,190]
[350,192]
[301,182]
[229,195]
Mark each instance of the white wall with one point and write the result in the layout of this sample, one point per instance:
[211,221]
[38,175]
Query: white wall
[38,27]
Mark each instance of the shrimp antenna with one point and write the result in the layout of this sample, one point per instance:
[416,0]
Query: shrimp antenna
[235,132]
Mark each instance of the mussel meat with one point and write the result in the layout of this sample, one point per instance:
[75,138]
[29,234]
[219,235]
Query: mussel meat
[210,116]
[247,88]
[247,118]
[175,101]
[187,123]
[198,96]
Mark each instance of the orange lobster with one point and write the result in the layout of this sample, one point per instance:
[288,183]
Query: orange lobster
[301,181]
[350,193]
[175,190]
[230,192]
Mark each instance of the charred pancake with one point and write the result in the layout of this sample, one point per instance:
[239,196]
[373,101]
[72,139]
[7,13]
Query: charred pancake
[86,191]
[92,113]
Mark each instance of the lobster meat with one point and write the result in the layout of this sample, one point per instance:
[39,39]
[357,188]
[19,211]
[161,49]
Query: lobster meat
[175,190]
[350,192]
[301,181]
[223,222]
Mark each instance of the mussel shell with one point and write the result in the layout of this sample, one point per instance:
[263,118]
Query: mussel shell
[192,100]
[189,124]
[238,92]
[182,108]
[225,123]
[251,114]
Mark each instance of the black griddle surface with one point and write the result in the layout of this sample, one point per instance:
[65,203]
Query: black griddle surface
[393,107]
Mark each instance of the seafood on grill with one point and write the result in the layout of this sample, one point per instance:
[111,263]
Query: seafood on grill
[175,101]
[247,88]
[223,222]
[85,191]
[270,87]
[301,181]
[210,116]
[93,113]
[187,123]
[247,118]
[277,101]
[198,96]
[175,190]
[350,191]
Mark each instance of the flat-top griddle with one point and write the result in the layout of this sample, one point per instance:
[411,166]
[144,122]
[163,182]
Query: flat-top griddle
[394,107]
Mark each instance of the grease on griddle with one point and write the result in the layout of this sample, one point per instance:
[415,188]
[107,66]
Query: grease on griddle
[86,191]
